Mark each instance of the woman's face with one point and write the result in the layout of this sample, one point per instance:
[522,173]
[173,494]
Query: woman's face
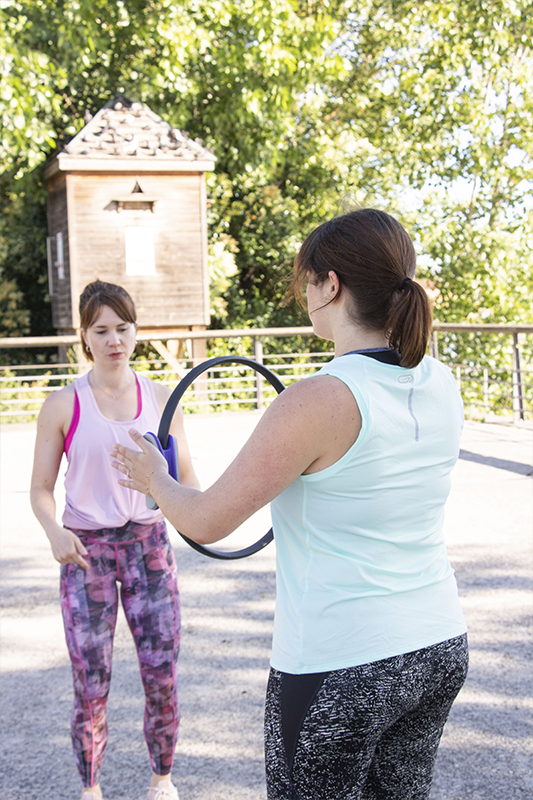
[320,295]
[313,293]
[110,339]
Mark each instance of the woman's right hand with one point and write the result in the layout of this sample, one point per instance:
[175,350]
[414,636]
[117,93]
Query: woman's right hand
[67,548]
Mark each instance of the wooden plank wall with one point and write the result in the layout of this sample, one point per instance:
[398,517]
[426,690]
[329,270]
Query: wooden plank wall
[175,295]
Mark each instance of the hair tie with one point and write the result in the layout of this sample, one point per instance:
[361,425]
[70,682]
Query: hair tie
[402,284]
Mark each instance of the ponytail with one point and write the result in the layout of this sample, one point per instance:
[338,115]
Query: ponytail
[409,323]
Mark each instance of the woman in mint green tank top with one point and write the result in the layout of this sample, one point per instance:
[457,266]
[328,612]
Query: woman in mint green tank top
[369,647]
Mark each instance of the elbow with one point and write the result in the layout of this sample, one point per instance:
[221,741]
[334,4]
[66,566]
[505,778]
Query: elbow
[205,533]
[194,513]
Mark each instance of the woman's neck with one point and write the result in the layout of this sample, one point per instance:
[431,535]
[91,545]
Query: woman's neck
[112,379]
[115,392]
[336,323]
[350,337]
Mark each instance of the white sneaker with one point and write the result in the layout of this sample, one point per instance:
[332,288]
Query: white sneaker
[164,790]
[88,795]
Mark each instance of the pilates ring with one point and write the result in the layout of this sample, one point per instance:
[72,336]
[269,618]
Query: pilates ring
[163,437]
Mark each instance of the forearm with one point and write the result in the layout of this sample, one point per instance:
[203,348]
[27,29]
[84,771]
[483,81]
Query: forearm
[66,546]
[44,507]
[189,510]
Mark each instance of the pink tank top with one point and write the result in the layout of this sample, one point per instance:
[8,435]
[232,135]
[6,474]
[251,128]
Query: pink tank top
[94,499]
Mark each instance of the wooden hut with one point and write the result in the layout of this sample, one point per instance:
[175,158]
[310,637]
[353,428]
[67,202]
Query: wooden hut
[127,204]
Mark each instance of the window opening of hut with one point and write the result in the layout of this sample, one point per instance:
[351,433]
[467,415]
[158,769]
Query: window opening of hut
[140,251]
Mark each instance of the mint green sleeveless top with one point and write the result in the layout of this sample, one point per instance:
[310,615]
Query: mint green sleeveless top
[361,565]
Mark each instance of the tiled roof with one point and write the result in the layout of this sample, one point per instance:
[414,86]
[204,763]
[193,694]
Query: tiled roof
[131,130]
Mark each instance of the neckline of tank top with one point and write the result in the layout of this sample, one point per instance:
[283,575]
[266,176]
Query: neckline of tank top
[383,354]
[139,398]
[92,383]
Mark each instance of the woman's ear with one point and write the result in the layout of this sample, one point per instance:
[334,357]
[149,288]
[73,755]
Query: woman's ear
[334,284]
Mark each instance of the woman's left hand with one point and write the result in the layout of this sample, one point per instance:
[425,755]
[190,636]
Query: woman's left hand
[138,467]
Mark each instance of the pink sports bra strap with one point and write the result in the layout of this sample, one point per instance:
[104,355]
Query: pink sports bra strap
[139,397]
[74,422]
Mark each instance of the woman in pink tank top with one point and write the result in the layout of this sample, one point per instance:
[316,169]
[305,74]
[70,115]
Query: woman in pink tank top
[109,536]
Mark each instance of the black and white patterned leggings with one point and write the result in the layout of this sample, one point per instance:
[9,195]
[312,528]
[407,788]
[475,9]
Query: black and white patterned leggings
[363,733]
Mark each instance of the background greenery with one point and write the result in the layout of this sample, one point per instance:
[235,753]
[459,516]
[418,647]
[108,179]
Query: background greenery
[424,108]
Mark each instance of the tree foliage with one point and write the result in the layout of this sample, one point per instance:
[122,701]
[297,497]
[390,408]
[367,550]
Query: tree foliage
[438,111]
[423,108]
[234,73]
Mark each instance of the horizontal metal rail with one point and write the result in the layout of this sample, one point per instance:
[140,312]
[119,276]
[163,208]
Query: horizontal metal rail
[165,334]
[496,390]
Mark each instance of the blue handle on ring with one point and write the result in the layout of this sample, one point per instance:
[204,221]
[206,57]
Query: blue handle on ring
[170,453]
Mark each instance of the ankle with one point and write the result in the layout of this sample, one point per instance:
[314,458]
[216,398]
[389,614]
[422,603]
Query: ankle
[91,793]
[162,789]
[157,778]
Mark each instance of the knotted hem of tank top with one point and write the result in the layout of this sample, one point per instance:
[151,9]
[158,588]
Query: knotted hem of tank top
[112,536]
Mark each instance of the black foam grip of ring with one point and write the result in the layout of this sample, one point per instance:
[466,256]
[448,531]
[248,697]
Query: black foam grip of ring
[164,428]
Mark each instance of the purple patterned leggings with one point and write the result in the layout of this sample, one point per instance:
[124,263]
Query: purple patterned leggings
[139,558]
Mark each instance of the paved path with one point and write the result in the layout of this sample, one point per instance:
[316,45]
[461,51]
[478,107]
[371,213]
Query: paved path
[227,621]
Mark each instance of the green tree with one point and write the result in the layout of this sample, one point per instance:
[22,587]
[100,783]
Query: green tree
[24,278]
[424,108]
[242,75]
[438,116]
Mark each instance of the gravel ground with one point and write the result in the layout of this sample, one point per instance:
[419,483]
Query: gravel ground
[227,611]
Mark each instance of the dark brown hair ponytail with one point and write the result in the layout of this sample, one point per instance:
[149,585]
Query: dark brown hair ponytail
[374,259]
[409,323]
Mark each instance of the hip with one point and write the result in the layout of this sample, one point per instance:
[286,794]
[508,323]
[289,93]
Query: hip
[332,633]
[129,533]
[132,552]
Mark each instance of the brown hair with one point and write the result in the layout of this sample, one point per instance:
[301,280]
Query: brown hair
[98,294]
[374,259]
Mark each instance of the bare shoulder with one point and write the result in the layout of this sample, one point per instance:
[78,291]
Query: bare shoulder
[59,404]
[162,392]
[321,407]
[56,414]
[322,411]
[317,394]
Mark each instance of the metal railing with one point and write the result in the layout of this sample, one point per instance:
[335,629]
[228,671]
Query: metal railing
[502,388]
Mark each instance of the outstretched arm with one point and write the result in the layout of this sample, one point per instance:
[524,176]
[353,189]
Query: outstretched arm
[307,428]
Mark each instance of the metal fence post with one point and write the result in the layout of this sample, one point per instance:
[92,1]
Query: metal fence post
[258,356]
[518,398]
[201,384]
[486,387]
[434,345]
